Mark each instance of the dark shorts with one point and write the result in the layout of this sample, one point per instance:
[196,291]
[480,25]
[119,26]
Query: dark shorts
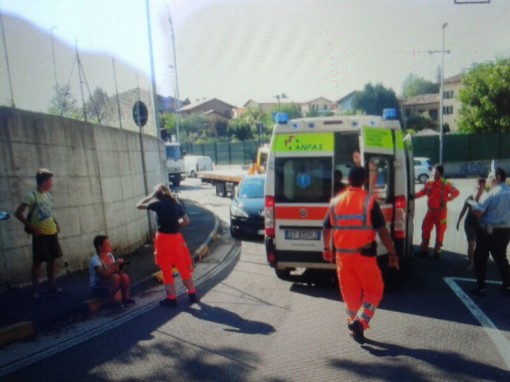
[45,248]
[103,288]
[470,227]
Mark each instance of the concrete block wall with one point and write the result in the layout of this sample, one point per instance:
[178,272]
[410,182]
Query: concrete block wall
[98,180]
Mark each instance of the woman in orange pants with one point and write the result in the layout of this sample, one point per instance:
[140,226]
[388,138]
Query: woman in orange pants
[170,248]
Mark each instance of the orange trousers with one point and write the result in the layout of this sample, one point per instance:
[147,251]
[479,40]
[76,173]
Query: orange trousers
[361,285]
[171,251]
[433,218]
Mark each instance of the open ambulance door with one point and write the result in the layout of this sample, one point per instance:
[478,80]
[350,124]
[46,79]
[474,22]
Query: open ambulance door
[409,164]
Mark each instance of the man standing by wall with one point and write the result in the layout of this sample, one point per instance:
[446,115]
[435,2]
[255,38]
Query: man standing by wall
[439,192]
[40,223]
[493,234]
[355,217]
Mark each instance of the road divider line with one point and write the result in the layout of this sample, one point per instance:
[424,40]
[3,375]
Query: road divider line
[499,340]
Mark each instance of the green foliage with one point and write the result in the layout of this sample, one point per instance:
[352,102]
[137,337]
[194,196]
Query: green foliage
[373,99]
[352,112]
[291,109]
[485,98]
[418,122]
[96,106]
[239,129]
[63,103]
[319,113]
[414,85]
[191,127]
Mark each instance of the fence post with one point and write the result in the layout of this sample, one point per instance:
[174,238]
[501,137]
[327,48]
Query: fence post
[229,153]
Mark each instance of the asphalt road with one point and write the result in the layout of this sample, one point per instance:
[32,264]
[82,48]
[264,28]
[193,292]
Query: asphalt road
[251,326]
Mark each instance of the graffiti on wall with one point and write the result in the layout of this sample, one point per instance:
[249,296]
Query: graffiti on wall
[474,168]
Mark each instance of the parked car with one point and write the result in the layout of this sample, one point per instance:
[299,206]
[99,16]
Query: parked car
[196,163]
[247,208]
[422,169]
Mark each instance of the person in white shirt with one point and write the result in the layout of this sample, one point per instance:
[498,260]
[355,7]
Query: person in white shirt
[108,275]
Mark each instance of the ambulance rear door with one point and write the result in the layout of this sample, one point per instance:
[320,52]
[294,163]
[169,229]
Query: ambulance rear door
[302,191]
[378,150]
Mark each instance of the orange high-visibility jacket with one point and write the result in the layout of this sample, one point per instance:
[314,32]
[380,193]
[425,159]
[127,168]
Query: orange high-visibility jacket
[351,219]
[439,192]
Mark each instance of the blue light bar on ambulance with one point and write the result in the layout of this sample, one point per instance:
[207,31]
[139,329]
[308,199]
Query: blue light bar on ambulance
[390,113]
[280,118]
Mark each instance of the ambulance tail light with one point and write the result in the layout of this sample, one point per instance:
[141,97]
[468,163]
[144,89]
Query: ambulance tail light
[269,216]
[399,222]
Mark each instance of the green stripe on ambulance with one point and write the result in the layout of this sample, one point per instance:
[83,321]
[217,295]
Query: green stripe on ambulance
[308,143]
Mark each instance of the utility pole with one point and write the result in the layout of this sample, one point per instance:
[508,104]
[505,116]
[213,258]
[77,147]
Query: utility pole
[177,99]
[153,73]
[53,56]
[441,95]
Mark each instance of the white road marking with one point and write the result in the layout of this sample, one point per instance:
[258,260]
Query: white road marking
[499,340]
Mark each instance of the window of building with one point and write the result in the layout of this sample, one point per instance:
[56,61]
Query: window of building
[447,110]
[448,94]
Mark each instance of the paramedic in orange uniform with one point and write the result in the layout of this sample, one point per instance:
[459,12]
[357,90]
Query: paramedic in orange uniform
[355,217]
[170,248]
[439,192]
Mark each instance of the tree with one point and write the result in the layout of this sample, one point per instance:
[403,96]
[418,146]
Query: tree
[291,109]
[63,103]
[240,129]
[373,99]
[96,106]
[418,122]
[485,98]
[257,119]
[194,127]
[414,85]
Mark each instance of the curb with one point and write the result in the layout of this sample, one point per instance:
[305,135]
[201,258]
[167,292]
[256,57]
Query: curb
[26,329]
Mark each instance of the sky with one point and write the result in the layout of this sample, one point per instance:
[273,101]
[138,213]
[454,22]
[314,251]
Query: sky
[237,50]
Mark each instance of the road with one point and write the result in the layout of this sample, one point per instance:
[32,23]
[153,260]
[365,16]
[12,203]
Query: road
[251,326]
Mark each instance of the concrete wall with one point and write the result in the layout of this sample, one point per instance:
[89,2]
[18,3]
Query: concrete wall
[98,180]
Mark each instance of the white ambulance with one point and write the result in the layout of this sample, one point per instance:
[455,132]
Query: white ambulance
[305,156]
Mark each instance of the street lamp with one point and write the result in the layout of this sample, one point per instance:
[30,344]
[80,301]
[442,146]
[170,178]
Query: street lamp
[441,95]
[278,97]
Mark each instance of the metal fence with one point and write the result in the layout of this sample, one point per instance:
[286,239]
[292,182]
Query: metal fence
[464,148]
[41,73]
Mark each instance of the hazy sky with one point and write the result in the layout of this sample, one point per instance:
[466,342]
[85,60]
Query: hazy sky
[241,49]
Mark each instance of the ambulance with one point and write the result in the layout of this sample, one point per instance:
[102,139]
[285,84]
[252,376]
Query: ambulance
[306,155]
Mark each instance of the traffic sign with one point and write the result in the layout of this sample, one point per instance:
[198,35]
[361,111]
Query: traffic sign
[140,113]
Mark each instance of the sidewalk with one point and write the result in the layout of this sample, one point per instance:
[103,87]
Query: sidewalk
[20,317]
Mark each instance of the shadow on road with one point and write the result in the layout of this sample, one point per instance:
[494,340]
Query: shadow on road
[237,323]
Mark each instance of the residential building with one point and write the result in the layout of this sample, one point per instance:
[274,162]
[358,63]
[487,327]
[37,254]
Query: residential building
[426,105]
[320,105]
[451,102]
[345,104]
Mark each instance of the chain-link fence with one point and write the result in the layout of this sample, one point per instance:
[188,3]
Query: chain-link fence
[41,73]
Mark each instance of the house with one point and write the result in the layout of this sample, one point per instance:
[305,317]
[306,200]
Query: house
[212,107]
[345,104]
[451,101]
[318,105]
[426,105]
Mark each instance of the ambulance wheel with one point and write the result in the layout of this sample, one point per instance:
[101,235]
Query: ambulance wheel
[283,274]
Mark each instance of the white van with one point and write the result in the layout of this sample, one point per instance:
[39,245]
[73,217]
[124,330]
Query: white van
[304,155]
[195,163]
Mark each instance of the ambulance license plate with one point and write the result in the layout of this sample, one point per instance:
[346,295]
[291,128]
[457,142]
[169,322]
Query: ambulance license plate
[294,234]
